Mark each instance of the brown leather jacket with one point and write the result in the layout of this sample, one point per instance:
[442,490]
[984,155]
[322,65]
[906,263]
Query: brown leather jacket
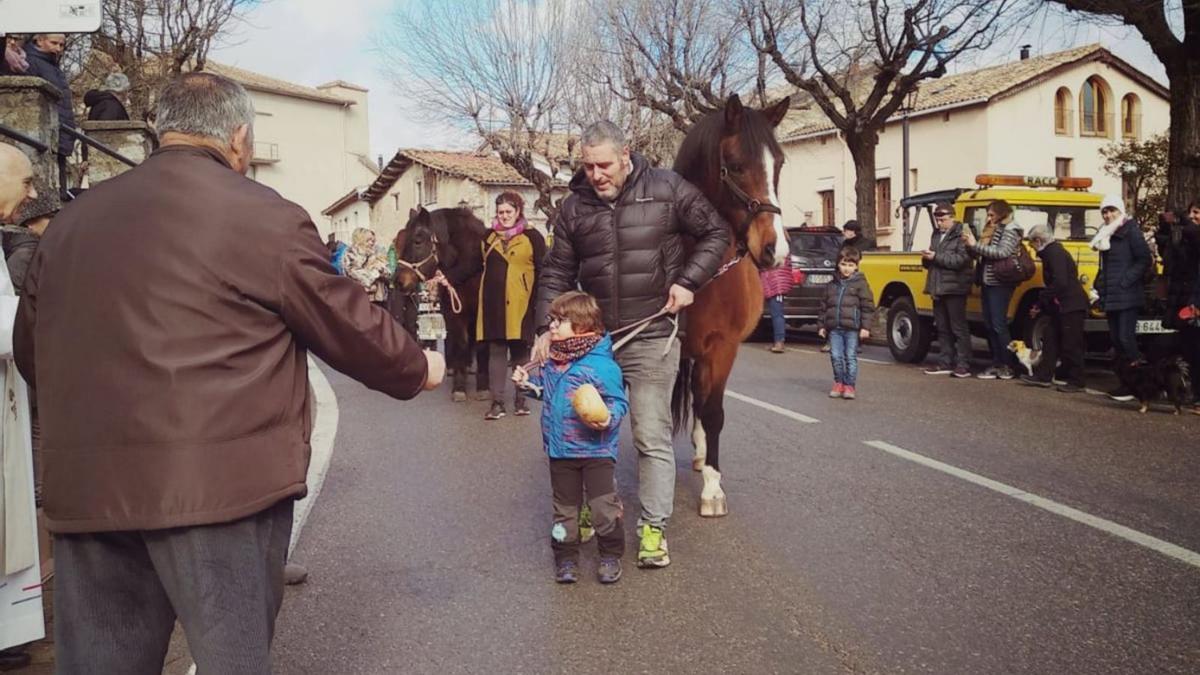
[171,310]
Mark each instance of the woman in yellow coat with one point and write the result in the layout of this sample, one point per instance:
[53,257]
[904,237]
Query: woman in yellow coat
[512,258]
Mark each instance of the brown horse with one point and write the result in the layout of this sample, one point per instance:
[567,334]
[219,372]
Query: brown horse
[733,157]
[450,241]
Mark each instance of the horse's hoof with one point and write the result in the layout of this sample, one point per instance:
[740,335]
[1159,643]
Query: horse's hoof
[697,463]
[459,397]
[714,508]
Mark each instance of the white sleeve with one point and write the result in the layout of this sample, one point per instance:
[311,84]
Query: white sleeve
[8,313]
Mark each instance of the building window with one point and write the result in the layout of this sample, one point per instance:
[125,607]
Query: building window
[1131,117]
[1095,116]
[1062,167]
[883,202]
[827,211]
[1062,112]
[429,195]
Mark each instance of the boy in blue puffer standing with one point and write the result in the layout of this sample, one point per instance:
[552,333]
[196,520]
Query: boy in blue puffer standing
[583,403]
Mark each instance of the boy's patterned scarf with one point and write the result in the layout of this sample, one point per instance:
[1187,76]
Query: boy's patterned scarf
[572,348]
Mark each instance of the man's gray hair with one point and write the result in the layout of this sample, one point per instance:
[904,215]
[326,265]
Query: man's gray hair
[118,83]
[603,132]
[1041,232]
[205,105]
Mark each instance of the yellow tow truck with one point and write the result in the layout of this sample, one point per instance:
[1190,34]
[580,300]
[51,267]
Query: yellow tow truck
[898,279]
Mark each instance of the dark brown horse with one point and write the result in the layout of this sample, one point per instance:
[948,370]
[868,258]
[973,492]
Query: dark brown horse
[450,241]
[733,157]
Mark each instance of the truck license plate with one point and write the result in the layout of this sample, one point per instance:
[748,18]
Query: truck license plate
[1151,327]
[818,279]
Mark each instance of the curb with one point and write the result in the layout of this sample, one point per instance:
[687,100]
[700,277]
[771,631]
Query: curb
[325,422]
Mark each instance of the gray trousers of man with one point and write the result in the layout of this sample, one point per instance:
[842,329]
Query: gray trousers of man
[650,377]
[117,595]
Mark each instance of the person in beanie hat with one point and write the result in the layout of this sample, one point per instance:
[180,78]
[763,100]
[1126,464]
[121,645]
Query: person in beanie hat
[20,241]
[107,103]
[1124,259]
[852,231]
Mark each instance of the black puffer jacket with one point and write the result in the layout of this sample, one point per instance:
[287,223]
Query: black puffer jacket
[46,66]
[1179,245]
[1121,278]
[847,303]
[951,272]
[629,252]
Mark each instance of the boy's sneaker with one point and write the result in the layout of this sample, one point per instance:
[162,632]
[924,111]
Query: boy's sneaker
[988,373]
[566,572]
[495,412]
[1005,373]
[962,371]
[586,531]
[837,390]
[652,552]
[521,408]
[848,393]
[938,370]
[609,571]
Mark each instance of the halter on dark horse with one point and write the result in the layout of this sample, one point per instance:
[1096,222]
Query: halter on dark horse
[733,157]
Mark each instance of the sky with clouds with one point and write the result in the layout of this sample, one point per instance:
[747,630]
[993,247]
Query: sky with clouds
[314,41]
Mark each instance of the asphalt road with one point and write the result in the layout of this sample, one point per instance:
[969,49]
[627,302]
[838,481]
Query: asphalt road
[429,550]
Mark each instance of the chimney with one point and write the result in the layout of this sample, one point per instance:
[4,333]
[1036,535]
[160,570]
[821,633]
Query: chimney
[380,162]
[1025,51]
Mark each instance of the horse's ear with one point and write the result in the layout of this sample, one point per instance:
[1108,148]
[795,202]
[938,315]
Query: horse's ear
[733,112]
[412,214]
[777,112]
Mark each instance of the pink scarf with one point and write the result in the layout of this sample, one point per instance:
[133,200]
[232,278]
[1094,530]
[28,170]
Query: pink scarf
[511,232]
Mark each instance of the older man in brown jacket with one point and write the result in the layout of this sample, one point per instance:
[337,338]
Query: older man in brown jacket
[166,323]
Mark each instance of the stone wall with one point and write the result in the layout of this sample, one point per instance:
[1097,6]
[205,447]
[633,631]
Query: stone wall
[29,105]
[134,140]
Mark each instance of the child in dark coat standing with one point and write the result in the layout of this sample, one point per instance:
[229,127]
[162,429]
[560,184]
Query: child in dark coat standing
[847,308]
[583,403]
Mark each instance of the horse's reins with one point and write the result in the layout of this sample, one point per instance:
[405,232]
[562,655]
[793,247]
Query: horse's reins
[753,206]
[455,300]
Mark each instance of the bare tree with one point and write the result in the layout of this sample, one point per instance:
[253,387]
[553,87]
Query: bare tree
[1179,53]
[152,41]
[497,67]
[677,58]
[858,60]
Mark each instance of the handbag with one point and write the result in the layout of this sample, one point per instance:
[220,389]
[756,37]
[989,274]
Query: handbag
[1016,268]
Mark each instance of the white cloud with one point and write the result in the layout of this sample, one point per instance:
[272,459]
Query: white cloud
[314,41]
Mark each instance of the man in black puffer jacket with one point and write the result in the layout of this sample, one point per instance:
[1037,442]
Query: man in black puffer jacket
[620,236]
[44,53]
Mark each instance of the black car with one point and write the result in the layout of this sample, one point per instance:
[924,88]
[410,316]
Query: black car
[814,252]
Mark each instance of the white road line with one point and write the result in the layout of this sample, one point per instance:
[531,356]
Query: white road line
[772,407]
[1153,543]
[861,358]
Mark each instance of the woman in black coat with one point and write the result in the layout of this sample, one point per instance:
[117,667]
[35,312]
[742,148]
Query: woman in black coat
[1124,259]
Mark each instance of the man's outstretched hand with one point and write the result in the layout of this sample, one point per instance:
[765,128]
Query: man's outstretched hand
[437,370]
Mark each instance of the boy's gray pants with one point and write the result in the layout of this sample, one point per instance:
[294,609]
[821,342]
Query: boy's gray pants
[117,595]
[650,377]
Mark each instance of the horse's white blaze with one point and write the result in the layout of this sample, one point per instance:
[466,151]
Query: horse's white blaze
[712,484]
[699,440]
[781,247]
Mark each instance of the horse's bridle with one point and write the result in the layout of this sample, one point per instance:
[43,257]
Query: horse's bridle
[416,267]
[753,206]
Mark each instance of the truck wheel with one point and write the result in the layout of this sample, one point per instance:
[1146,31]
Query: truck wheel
[1035,332]
[908,333]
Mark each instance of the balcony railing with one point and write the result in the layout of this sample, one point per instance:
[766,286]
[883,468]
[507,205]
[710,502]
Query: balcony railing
[1131,126]
[1096,125]
[265,153]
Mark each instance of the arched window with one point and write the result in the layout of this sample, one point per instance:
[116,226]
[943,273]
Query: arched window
[1062,112]
[1131,116]
[1095,109]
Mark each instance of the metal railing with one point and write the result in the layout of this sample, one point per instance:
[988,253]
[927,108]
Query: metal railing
[22,137]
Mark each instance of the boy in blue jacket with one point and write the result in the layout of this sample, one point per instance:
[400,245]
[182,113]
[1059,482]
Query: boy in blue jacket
[581,439]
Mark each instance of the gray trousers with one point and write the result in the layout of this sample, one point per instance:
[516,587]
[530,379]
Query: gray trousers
[117,595]
[650,378]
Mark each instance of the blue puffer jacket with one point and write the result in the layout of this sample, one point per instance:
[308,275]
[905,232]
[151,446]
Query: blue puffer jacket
[1121,278]
[563,433]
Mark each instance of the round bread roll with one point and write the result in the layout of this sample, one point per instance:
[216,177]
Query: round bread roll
[589,406]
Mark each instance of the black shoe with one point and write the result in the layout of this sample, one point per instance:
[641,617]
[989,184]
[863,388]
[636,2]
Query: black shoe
[520,408]
[1035,382]
[609,571]
[1120,394]
[1070,388]
[566,572]
[495,412]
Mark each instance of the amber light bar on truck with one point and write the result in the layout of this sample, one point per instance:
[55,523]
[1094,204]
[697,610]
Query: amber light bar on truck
[1063,182]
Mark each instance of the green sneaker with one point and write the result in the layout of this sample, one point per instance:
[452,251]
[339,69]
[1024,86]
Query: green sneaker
[586,530]
[653,549]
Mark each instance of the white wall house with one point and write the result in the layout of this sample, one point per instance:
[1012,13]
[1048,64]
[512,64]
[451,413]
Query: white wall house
[434,179]
[1044,115]
[311,144]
